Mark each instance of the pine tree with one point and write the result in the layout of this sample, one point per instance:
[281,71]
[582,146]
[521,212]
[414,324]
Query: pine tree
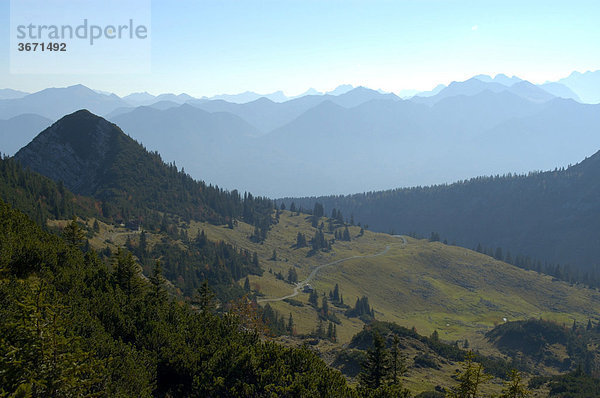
[325,307]
[292,275]
[320,332]
[469,379]
[206,301]
[398,362]
[313,298]
[126,273]
[247,285]
[157,281]
[514,388]
[346,235]
[73,234]
[336,293]
[290,324]
[376,366]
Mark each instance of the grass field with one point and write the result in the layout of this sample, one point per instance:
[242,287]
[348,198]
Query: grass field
[431,286]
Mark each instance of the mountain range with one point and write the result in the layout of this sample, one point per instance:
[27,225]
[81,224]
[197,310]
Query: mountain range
[308,145]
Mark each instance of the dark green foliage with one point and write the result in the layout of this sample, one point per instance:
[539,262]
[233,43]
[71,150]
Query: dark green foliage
[218,262]
[426,361]
[349,362]
[37,196]
[294,303]
[319,242]
[534,337]
[435,237]
[300,241]
[376,366]
[361,309]
[514,387]
[292,276]
[364,339]
[469,379]
[377,379]
[313,298]
[73,327]
[571,385]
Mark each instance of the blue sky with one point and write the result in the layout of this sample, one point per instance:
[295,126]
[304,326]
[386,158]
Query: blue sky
[224,46]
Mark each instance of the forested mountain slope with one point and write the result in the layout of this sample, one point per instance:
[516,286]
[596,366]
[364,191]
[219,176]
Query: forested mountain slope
[553,216]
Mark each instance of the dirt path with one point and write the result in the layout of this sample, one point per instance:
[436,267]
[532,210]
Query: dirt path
[316,270]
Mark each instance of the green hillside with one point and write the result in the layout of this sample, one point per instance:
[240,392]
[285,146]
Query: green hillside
[429,285]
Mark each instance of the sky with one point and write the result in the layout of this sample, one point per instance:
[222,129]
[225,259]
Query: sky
[205,48]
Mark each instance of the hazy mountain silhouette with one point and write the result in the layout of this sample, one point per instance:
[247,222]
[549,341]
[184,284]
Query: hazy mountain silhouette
[53,103]
[500,78]
[16,132]
[249,96]
[160,105]
[586,85]
[560,90]
[475,86]
[7,93]
[267,115]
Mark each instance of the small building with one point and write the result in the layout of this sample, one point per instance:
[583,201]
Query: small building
[307,288]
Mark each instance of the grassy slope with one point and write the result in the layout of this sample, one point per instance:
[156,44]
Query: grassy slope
[431,286]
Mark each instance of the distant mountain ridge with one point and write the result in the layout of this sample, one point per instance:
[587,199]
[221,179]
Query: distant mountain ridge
[302,146]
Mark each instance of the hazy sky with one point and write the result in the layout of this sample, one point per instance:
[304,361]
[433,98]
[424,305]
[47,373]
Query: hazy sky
[225,46]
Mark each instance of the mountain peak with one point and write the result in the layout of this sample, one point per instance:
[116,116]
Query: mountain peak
[73,150]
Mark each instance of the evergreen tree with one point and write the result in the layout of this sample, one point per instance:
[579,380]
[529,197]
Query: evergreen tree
[126,273]
[398,362]
[336,293]
[313,298]
[514,388]
[498,254]
[247,285]
[157,281]
[320,332]
[300,240]
[292,276]
[290,324]
[73,234]
[325,307]
[346,235]
[376,365]
[469,379]
[206,300]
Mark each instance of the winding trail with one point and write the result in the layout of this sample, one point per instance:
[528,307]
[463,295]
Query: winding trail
[316,270]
